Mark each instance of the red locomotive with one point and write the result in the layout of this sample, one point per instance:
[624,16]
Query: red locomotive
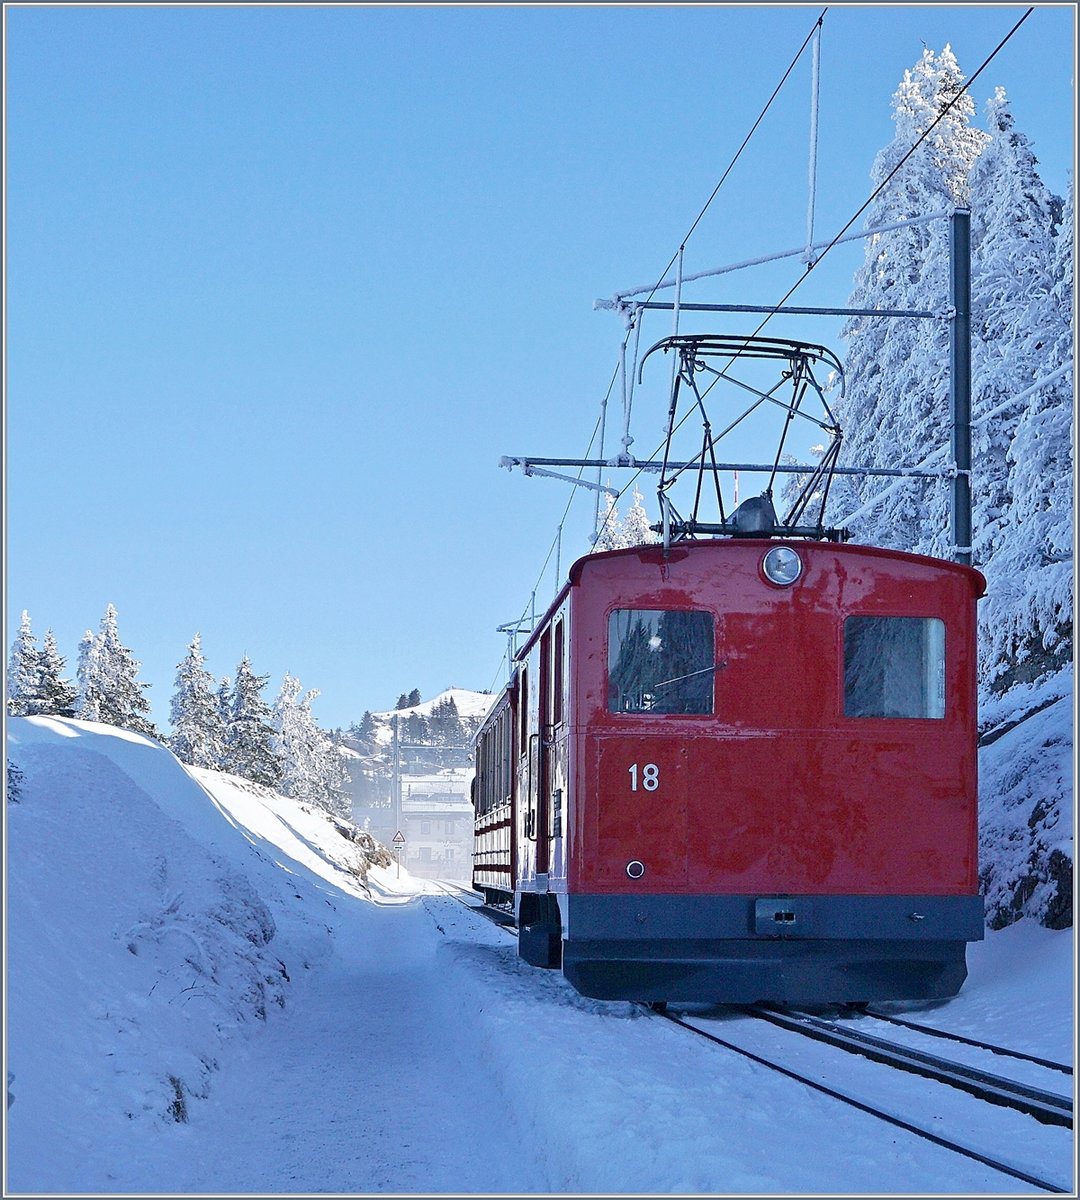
[741,769]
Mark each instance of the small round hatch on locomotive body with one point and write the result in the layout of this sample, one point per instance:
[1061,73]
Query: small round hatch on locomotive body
[635,869]
[782,566]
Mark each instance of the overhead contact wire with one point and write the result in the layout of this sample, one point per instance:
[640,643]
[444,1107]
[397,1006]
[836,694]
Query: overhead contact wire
[738,153]
[884,183]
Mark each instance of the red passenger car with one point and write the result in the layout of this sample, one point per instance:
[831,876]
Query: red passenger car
[741,769]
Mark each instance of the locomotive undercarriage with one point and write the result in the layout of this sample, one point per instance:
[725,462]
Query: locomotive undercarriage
[792,950]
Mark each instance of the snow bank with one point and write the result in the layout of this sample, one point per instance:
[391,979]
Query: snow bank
[133,952]
[1026,805]
[149,923]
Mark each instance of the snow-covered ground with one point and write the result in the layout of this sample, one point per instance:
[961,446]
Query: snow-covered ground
[210,989]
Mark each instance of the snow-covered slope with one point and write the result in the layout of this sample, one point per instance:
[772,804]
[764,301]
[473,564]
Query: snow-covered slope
[1026,803]
[153,915]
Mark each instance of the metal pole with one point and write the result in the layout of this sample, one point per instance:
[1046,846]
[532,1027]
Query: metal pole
[655,465]
[396,783]
[558,560]
[786,310]
[814,92]
[960,381]
[599,465]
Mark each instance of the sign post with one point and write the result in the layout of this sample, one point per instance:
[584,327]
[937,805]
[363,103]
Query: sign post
[399,846]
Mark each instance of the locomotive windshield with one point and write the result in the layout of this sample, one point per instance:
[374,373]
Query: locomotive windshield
[894,667]
[660,661]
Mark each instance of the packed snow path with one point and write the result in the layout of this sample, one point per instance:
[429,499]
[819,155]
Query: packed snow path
[366,1083]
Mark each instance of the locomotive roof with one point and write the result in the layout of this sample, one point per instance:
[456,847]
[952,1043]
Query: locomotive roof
[655,552]
[711,545]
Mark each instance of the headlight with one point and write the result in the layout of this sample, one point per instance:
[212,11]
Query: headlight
[782,566]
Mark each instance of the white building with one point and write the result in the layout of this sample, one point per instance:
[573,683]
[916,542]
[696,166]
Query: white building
[437,821]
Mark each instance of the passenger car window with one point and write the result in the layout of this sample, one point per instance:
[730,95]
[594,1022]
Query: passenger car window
[894,667]
[660,661]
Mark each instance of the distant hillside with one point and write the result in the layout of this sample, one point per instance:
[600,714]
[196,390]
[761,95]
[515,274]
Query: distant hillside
[469,706]
[432,735]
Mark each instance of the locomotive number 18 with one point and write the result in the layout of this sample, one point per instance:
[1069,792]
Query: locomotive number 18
[650,777]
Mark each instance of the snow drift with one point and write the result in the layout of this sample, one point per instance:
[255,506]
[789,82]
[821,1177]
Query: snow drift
[144,930]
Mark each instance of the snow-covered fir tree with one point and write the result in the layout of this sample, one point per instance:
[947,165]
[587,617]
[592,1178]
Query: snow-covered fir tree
[23,681]
[122,702]
[57,693]
[619,533]
[88,679]
[312,766]
[223,697]
[364,731]
[635,529]
[109,689]
[415,729]
[249,734]
[896,405]
[198,729]
[1021,454]
[607,526]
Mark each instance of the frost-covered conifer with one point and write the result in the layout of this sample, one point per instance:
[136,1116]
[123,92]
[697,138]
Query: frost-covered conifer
[289,716]
[89,681]
[896,405]
[415,729]
[249,752]
[120,699]
[1014,313]
[198,730]
[635,529]
[1022,456]
[365,729]
[23,690]
[444,724]
[57,693]
[608,526]
[312,766]
[223,697]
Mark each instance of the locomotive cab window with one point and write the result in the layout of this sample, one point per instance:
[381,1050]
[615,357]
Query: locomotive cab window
[894,667]
[660,661]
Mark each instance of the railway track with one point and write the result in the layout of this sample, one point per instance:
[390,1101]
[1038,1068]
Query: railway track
[1046,1106]
[1049,1107]
[502,917]
[931,1031]
[993,1089]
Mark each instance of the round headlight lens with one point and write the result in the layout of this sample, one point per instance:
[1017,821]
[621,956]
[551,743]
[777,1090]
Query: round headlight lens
[782,566]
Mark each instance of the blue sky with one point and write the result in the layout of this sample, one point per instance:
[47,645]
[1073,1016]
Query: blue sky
[284,283]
